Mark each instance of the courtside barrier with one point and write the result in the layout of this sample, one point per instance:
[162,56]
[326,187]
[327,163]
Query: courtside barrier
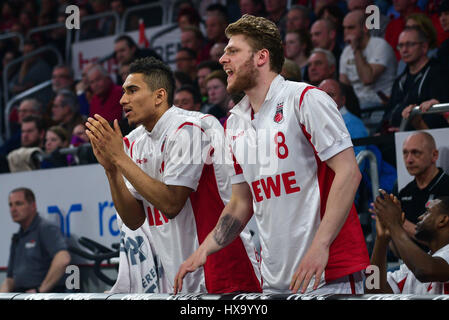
[215,297]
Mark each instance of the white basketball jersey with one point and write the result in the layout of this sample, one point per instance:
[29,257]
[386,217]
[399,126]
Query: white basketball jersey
[281,152]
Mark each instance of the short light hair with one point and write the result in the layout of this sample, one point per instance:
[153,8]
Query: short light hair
[261,34]
[329,55]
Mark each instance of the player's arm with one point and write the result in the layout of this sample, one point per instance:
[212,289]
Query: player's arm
[339,202]
[425,267]
[56,271]
[232,221]
[168,199]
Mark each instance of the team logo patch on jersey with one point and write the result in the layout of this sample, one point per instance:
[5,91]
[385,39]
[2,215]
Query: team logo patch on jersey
[279,115]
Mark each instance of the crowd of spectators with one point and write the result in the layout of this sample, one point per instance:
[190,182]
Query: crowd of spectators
[400,63]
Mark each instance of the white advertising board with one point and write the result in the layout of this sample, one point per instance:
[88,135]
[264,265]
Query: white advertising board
[75,198]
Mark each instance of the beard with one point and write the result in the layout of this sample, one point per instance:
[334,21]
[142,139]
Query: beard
[424,234]
[245,77]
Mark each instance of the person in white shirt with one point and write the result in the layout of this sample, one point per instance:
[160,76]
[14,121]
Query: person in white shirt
[295,165]
[421,272]
[161,182]
[367,63]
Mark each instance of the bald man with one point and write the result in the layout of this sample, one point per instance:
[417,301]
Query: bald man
[354,124]
[367,63]
[420,155]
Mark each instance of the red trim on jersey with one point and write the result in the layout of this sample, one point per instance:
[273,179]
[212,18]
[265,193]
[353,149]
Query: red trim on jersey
[401,284]
[348,253]
[131,151]
[304,92]
[125,139]
[352,283]
[188,124]
[230,269]
[446,288]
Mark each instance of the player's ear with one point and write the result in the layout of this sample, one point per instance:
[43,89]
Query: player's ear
[160,96]
[263,57]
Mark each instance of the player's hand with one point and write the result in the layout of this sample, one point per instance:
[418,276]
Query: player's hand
[388,210]
[101,158]
[312,265]
[196,260]
[109,140]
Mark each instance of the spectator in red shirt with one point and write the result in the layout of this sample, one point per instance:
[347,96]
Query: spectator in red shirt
[106,94]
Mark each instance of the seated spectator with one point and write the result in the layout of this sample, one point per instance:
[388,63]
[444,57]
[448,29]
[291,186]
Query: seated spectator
[8,16]
[32,71]
[216,83]
[397,25]
[367,63]
[423,79]
[65,110]
[298,18]
[383,19]
[79,139]
[126,51]
[443,50]
[28,106]
[420,155]
[354,124]
[32,142]
[186,97]
[252,7]
[277,12]
[79,135]
[217,51]
[216,23]
[335,14]
[186,62]
[298,46]
[422,21]
[291,71]
[181,79]
[202,70]
[38,256]
[421,273]
[62,78]
[106,95]
[321,66]
[56,138]
[83,90]
[188,17]
[324,36]
[192,38]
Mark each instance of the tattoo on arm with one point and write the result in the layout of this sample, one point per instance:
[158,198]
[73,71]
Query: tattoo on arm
[227,229]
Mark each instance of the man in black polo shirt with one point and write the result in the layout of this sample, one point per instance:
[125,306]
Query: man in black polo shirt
[420,155]
[38,256]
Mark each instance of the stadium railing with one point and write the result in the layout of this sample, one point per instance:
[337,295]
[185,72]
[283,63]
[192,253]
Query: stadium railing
[10,35]
[153,14]
[51,27]
[436,108]
[93,17]
[36,52]
[11,103]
